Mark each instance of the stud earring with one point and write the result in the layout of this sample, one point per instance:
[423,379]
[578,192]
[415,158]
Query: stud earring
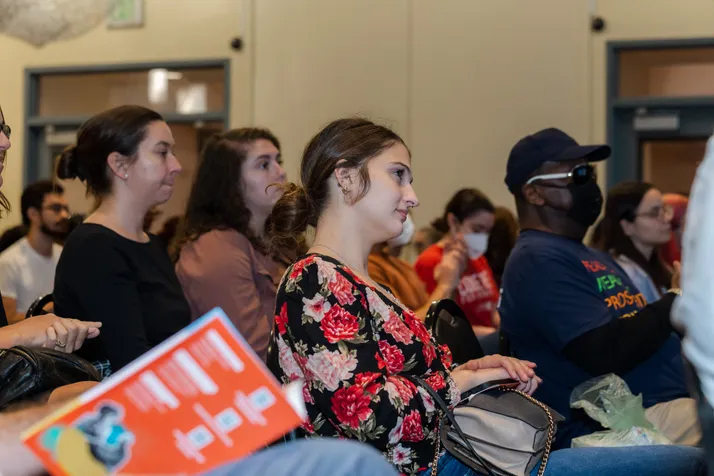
[126,175]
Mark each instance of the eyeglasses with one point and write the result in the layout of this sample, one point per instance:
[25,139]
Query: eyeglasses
[57,208]
[5,129]
[663,212]
[579,175]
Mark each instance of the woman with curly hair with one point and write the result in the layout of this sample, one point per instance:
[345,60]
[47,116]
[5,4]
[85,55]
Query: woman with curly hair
[222,259]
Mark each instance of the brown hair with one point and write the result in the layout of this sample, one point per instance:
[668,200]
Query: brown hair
[4,202]
[351,143]
[609,236]
[501,241]
[120,130]
[216,200]
[463,204]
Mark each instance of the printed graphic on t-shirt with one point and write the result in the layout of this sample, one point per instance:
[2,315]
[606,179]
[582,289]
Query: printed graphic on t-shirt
[476,286]
[624,301]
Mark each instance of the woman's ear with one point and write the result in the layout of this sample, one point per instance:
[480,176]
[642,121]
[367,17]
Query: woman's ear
[453,223]
[119,165]
[346,180]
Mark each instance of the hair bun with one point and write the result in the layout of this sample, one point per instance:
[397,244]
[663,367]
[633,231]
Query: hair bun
[68,164]
[290,217]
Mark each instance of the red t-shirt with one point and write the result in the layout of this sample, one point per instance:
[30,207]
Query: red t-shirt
[477,293]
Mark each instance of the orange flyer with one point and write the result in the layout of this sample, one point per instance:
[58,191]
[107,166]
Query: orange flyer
[197,401]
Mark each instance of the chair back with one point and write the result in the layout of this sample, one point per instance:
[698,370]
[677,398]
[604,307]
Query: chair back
[449,325]
[37,307]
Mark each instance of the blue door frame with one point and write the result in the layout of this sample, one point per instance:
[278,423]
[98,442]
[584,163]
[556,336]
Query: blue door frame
[35,124]
[696,114]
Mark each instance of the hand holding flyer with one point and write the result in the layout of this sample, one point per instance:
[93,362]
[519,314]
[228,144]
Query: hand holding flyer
[193,403]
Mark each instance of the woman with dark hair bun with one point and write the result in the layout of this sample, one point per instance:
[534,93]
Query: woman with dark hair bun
[355,345]
[111,270]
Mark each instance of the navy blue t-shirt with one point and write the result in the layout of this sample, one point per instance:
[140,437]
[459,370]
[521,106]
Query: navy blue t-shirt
[556,289]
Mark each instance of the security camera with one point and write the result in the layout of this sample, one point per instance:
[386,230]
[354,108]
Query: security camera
[237,43]
[597,24]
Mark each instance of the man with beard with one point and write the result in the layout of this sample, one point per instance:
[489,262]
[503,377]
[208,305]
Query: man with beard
[571,309]
[27,268]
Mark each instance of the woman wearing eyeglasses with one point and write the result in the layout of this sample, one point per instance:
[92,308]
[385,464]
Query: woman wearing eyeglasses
[637,222]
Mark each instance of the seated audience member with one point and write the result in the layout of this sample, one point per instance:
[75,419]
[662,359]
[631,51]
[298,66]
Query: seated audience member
[27,268]
[571,309]
[501,241]
[635,225]
[50,331]
[695,308]
[12,236]
[387,269]
[672,251]
[469,215]
[111,270]
[223,259]
[353,343]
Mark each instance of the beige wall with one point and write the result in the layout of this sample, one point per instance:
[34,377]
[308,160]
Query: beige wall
[460,79]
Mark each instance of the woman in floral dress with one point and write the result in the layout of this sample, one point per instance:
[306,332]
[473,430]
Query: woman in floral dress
[351,340]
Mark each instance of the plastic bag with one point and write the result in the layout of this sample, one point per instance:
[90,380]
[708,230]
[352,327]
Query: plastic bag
[633,437]
[609,401]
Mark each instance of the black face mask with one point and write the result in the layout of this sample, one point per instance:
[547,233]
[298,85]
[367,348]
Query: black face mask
[587,203]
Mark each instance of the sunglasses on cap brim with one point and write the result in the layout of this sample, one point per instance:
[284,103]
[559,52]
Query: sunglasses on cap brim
[580,175]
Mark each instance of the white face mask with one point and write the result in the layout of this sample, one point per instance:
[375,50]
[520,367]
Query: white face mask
[407,234]
[477,244]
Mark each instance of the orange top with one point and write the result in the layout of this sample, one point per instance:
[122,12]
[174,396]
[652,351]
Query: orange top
[400,277]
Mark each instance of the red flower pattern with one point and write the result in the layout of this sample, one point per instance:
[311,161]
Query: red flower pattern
[447,359]
[341,289]
[412,429]
[429,352]
[281,320]
[395,327]
[436,381]
[351,406]
[389,357]
[367,381]
[338,324]
[356,372]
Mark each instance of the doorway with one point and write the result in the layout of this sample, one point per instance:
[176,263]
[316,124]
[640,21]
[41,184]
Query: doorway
[670,164]
[660,110]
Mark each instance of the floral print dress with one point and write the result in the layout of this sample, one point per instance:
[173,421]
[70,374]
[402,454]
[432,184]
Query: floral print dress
[352,346]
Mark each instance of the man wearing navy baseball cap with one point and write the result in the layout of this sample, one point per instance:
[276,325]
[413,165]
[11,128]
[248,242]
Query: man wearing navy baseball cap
[571,309]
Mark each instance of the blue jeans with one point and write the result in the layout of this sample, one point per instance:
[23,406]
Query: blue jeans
[634,460]
[317,457]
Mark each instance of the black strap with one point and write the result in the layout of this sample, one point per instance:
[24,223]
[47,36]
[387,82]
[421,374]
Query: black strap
[450,415]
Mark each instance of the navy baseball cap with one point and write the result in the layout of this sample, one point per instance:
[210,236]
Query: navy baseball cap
[548,145]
